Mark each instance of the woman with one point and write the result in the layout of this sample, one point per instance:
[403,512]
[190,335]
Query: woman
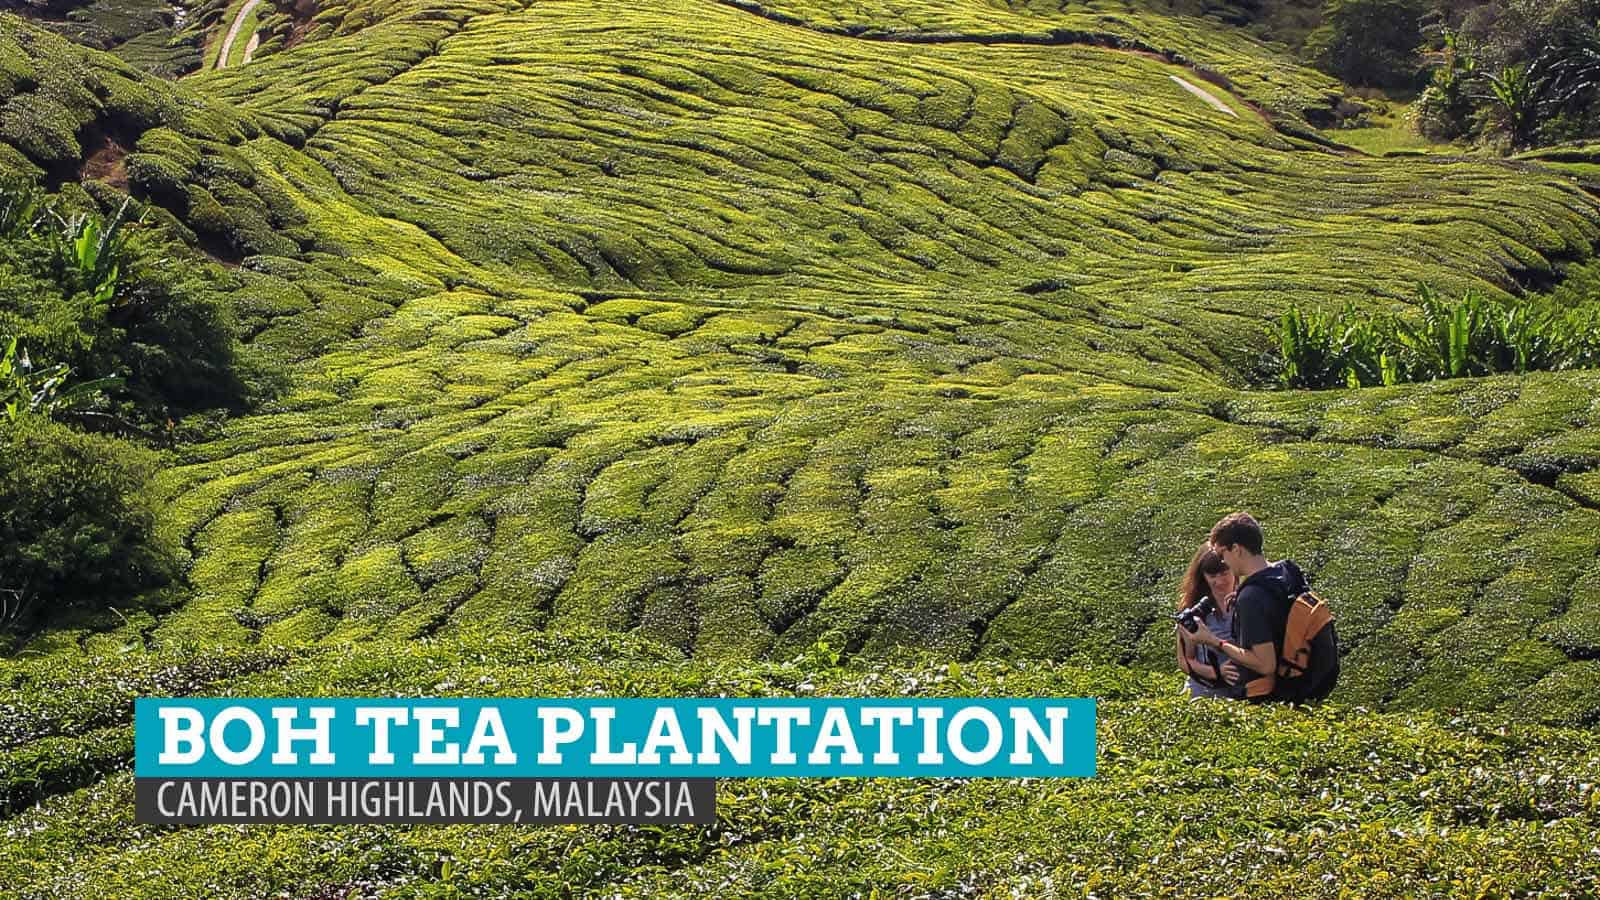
[1208,575]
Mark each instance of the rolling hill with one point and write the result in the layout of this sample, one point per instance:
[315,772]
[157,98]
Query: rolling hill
[652,349]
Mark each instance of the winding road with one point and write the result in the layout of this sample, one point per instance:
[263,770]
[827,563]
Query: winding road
[233,32]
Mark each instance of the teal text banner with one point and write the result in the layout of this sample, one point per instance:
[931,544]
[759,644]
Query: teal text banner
[613,738]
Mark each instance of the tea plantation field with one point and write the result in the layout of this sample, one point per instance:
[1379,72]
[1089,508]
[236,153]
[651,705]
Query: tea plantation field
[711,347]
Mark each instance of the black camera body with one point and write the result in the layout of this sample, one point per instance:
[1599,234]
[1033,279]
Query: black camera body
[1190,618]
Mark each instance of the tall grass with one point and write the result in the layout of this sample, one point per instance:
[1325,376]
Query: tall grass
[1471,336]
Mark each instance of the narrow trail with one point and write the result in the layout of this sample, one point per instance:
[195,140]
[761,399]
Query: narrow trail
[233,32]
[1205,95]
[1058,37]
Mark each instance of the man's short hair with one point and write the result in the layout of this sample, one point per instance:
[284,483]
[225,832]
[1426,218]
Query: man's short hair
[1239,529]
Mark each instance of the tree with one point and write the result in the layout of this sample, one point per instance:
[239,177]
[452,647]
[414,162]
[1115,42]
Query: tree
[1527,96]
[1445,108]
[1370,42]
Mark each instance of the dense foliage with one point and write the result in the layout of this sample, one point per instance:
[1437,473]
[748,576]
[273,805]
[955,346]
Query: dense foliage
[1369,42]
[108,326]
[105,298]
[77,529]
[1525,72]
[1468,337]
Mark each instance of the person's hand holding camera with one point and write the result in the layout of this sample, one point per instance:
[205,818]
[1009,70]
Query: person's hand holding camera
[1203,635]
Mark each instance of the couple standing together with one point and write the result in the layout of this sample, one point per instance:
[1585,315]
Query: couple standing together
[1235,648]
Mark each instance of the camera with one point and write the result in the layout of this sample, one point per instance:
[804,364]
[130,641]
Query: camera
[1190,618]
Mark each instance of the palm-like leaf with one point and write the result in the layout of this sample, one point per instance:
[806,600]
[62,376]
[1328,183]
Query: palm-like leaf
[95,250]
[24,389]
[20,207]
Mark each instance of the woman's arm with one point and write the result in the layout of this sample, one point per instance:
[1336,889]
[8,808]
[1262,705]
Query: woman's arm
[1260,657]
[1188,663]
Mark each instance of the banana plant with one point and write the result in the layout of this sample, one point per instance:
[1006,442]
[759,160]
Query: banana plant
[1472,336]
[25,390]
[1526,340]
[1458,339]
[1389,371]
[92,247]
[1360,348]
[21,206]
[98,250]
[1306,346]
[1425,343]
[1515,93]
[1529,94]
[95,250]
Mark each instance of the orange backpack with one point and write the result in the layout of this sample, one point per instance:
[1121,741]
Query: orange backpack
[1308,660]
[1308,666]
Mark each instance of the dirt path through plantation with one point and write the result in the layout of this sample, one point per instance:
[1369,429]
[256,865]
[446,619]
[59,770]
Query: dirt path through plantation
[1205,95]
[233,32]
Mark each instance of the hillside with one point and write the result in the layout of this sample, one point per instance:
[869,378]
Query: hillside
[926,331]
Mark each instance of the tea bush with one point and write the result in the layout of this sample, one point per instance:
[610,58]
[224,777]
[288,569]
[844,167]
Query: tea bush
[1276,799]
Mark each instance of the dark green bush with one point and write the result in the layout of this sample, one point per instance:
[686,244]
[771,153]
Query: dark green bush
[1369,42]
[107,296]
[1526,72]
[77,525]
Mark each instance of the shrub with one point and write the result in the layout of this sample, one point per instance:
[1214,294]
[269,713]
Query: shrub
[77,525]
[108,296]
[1469,337]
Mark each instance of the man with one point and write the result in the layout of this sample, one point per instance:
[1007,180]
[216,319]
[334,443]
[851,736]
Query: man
[1259,611]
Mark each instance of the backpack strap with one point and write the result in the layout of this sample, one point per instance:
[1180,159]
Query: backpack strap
[1264,686]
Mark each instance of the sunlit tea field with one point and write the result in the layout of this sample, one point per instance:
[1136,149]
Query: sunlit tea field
[840,349]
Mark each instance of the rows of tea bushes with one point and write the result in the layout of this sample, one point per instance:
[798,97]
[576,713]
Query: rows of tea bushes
[637,350]
[1190,797]
[775,335]
[684,365]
